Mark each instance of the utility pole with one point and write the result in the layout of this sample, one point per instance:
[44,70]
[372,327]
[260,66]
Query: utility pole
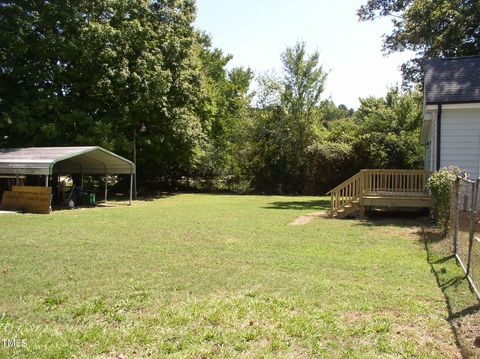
[141,130]
[135,163]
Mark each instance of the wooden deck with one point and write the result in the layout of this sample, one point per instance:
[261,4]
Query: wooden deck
[380,188]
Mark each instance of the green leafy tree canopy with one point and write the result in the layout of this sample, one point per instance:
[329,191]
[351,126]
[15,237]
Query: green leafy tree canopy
[431,28]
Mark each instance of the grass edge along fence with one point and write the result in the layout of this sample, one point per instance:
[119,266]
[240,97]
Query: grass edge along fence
[465,228]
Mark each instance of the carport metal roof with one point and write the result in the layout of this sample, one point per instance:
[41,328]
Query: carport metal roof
[62,160]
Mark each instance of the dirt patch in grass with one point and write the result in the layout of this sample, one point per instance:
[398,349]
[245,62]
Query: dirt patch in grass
[412,233]
[468,329]
[420,335]
[413,228]
[309,217]
[394,324]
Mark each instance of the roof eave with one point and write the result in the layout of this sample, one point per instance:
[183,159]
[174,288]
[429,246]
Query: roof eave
[451,102]
[88,150]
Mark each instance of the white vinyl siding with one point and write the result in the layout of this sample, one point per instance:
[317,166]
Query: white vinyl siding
[460,140]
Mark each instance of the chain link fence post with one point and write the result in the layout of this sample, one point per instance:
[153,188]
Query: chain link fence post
[465,221]
[473,215]
[454,214]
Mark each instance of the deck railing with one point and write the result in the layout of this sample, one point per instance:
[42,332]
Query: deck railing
[385,182]
[346,192]
[392,182]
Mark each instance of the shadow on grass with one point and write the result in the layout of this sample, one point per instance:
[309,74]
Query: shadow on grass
[404,219]
[114,200]
[154,197]
[461,303]
[300,205]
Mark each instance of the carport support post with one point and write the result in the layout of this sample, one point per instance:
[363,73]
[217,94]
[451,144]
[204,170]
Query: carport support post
[131,188]
[106,187]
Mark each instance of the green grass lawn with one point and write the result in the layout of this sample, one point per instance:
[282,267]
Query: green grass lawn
[217,276]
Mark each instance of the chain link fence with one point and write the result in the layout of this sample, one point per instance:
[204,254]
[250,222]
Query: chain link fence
[465,227]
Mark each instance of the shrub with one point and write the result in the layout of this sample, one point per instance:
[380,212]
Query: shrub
[440,183]
[327,165]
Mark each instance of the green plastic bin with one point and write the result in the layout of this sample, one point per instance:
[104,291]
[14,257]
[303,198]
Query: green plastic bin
[91,198]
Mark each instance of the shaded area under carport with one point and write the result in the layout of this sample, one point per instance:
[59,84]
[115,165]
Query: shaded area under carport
[49,161]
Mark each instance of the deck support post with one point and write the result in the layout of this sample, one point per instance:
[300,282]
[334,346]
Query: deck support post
[361,211]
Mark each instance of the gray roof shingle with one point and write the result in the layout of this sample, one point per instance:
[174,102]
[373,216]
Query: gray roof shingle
[452,80]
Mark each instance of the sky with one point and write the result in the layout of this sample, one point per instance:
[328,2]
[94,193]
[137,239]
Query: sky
[256,32]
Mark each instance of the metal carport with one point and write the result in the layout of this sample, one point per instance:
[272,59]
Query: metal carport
[47,161]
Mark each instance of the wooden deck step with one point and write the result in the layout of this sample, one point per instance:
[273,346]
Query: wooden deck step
[347,210]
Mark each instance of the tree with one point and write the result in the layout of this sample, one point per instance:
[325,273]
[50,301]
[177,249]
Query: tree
[331,112]
[431,28]
[83,73]
[225,107]
[382,133]
[287,120]
[388,131]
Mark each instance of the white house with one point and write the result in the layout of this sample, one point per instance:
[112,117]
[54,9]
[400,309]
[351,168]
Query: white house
[451,124]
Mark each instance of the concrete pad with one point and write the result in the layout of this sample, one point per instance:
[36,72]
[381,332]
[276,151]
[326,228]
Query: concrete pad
[7,212]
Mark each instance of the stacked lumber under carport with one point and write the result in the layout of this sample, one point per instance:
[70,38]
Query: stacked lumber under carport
[29,199]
